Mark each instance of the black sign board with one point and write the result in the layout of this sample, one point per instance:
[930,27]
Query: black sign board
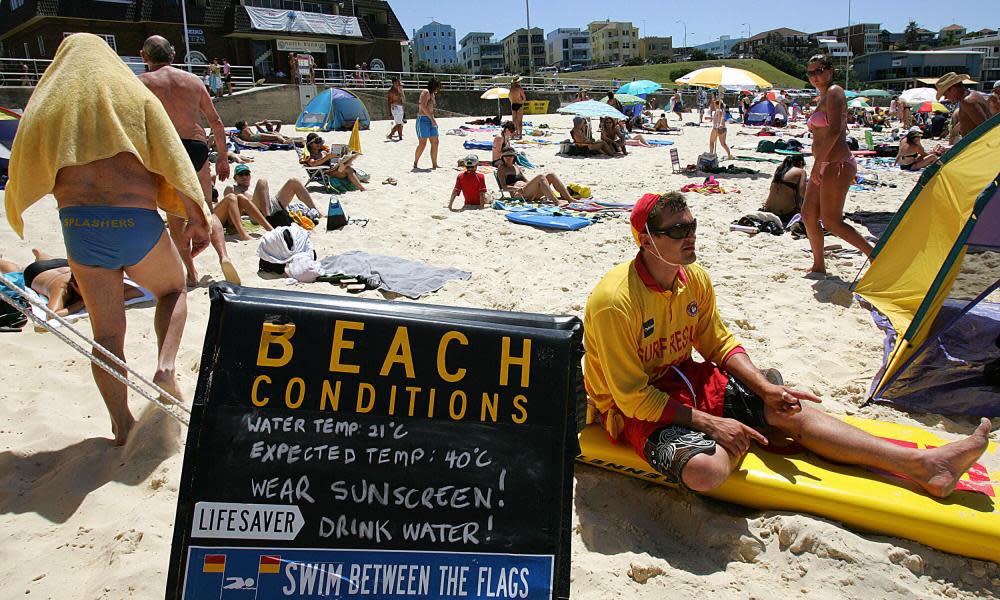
[348,448]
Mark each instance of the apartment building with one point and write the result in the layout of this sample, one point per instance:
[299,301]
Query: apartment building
[613,41]
[650,47]
[567,46]
[435,44]
[516,50]
[480,53]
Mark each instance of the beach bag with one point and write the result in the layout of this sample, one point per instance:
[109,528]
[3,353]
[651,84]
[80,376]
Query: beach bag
[280,218]
[363,177]
[579,191]
[794,144]
[278,247]
[12,319]
[780,145]
[336,218]
[853,144]
[886,150]
[565,146]
[707,161]
[766,146]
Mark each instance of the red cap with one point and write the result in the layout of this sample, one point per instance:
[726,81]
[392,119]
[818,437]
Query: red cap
[640,213]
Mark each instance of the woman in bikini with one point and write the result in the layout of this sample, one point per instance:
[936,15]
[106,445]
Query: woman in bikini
[788,187]
[834,167]
[502,141]
[718,112]
[517,100]
[912,156]
[318,155]
[541,188]
[582,140]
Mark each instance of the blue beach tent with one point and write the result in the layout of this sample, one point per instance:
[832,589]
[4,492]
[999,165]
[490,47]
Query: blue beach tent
[333,109]
[764,113]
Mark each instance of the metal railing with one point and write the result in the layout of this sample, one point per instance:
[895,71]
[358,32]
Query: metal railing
[25,72]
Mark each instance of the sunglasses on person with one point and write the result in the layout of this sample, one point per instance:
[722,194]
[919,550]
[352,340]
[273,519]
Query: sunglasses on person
[676,232]
[812,72]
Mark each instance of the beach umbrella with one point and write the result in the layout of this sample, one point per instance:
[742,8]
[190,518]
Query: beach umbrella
[926,107]
[727,77]
[626,99]
[355,142]
[496,94]
[849,94]
[858,103]
[876,93]
[591,108]
[916,96]
[643,86]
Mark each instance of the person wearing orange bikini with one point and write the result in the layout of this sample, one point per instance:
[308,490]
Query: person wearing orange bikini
[834,167]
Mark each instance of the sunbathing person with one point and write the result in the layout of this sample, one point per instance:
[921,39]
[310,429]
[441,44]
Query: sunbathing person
[231,154]
[266,205]
[694,421]
[611,135]
[537,189]
[268,126]
[51,278]
[912,156]
[502,141]
[788,188]
[583,141]
[244,132]
[317,155]
[662,124]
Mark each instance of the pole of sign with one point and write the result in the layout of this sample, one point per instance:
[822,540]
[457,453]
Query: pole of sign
[847,73]
[187,42]
[531,56]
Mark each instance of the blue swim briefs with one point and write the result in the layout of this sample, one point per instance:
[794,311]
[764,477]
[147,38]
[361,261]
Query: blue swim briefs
[110,237]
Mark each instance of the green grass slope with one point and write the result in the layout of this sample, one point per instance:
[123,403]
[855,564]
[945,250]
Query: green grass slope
[661,73]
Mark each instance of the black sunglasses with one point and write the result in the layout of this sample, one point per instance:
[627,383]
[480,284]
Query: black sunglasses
[812,72]
[678,231]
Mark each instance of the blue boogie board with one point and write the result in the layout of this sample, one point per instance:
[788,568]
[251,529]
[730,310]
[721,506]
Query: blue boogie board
[548,221]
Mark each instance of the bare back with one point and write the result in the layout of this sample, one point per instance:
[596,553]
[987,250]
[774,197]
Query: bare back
[516,95]
[184,97]
[117,181]
[975,110]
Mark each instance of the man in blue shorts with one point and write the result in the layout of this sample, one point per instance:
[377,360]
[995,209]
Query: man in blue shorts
[427,127]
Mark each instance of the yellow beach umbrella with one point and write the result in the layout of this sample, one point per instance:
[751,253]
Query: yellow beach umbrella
[496,94]
[726,77]
[355,142]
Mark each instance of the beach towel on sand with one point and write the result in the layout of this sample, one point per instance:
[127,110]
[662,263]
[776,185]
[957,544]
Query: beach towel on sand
[89,106]
[406,277]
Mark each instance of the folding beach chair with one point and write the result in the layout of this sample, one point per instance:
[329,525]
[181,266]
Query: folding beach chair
[675,161]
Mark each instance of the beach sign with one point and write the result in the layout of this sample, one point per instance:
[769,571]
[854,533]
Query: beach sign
[346,448]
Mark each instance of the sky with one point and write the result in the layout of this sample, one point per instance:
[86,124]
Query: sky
[726,17]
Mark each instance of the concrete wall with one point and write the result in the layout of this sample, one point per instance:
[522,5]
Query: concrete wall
[272,102]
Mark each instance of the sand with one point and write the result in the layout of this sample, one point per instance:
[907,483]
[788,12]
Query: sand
[83,520]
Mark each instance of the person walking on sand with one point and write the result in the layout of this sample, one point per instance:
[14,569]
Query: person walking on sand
[187,103]
[718,114]
[427,127]
[694,421]
[396,108]
[517,99]
[95,137]
[834,167]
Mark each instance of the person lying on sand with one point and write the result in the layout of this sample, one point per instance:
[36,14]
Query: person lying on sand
[108,189]
[246,134]
[52,278]
[694,421]
[541,188]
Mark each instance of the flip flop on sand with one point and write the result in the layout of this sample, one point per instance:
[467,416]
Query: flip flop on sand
[390,181]
[229,270]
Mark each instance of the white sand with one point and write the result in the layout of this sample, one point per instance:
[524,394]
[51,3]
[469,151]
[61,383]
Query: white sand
[83,520]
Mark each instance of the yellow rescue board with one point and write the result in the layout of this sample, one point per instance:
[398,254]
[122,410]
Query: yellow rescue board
[792,478]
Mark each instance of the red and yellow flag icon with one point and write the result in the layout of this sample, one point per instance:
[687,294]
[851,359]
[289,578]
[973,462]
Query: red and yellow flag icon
[269,564]
[214,563]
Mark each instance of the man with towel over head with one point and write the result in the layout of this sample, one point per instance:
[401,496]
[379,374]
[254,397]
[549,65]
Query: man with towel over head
[186,100]
[96,138]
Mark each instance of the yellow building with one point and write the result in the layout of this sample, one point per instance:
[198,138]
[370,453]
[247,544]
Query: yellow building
[613,41]
[656,46]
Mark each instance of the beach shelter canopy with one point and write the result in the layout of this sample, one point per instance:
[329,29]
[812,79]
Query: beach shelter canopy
[636,88]
[726,77]
[765,112]
[591,108]
[942,243]
[875,93]
[333,109]
[915,96]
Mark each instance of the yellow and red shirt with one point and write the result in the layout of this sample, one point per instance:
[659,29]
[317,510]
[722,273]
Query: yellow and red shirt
[635,331]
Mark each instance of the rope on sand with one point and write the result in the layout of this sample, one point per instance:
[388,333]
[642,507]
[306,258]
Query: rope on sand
[172,406]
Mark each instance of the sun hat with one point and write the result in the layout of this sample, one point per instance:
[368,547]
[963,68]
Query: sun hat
[640,214]
[946,81]
[470,160]
[996,84]
[241,169]
[509,152]
[914,129]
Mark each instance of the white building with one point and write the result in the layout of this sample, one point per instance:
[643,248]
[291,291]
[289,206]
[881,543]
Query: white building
[480,53]
[989,45]
[435,43]
[834,47]
[567,46]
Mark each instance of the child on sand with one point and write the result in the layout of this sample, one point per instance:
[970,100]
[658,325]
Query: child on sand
[471,184]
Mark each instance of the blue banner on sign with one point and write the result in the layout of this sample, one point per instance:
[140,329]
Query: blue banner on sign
[265,573]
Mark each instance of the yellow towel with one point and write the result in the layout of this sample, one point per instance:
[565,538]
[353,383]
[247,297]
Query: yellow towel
[87,107]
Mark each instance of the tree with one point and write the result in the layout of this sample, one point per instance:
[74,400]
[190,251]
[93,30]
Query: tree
[698,55]
[455,69]
[678,73]
[772,51]
[911,34]
[635,61]
[422,66]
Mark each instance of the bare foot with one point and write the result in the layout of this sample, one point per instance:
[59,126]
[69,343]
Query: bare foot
[168,381]
[946,465]
[121,425]
[814,274]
